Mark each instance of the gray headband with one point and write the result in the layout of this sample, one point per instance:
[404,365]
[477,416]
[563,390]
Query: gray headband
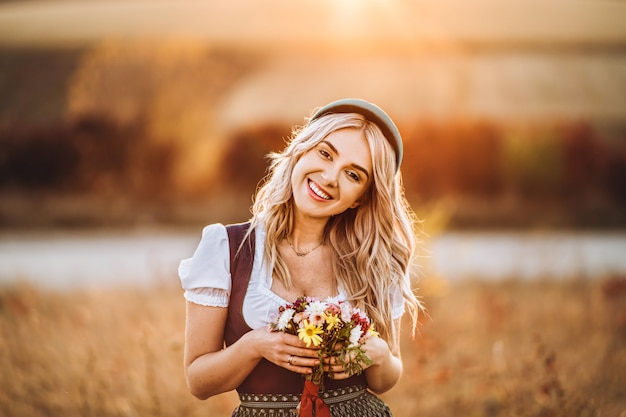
[372,113]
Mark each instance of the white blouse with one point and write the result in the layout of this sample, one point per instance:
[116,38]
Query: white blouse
[205,277]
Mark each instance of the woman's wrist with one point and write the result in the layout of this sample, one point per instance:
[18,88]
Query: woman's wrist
[377,350]
[254,342]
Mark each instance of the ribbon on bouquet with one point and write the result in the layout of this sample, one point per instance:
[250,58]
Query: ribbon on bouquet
[311,402]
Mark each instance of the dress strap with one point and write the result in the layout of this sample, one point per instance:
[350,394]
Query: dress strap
[241,255]
[241,260]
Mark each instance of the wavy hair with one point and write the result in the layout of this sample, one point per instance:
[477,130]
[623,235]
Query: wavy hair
[373,243]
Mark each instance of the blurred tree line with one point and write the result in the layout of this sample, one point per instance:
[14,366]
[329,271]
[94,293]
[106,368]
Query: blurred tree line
[541,161]
[575,166]
[138,123]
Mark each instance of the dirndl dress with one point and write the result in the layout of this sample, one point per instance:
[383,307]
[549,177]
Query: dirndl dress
[273,391]
[353,401]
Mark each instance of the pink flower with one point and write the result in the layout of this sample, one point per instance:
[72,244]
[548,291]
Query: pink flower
[333,310]
[317,318]
[298,317]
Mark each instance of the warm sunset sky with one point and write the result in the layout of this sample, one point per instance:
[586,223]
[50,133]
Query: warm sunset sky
[319,21]
[535,58]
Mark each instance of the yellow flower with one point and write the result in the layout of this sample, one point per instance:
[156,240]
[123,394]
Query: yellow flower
[331,320]
[372,332]
[310,333]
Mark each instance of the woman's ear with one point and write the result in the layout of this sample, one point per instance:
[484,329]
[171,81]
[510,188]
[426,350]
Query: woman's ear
[355,204]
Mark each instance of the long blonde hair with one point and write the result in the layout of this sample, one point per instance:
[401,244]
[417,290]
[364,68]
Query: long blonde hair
[373,243]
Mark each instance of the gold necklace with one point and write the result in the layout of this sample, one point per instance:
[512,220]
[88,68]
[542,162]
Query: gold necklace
[301,254]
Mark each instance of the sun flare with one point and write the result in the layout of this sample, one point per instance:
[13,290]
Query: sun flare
[367,19]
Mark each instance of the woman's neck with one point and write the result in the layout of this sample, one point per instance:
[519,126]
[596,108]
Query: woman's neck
[307,232]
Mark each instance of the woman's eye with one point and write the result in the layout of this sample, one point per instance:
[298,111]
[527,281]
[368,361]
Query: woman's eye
[353,175]
[324,153]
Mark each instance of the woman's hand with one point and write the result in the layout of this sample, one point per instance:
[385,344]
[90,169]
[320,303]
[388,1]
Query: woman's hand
[375,348]
[385,368]
[285,350]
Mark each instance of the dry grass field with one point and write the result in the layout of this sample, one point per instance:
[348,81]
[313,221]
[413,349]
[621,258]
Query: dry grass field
[513,348]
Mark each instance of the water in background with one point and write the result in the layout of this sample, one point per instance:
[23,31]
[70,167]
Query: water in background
[65,261]
[528,255]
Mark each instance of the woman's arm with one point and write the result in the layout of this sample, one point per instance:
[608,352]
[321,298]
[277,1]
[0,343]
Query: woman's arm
[211,369]
[386,369]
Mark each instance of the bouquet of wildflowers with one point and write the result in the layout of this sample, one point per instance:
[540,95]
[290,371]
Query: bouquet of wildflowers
[336,327]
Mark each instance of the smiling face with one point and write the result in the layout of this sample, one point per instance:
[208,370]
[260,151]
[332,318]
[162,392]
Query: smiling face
[332,176]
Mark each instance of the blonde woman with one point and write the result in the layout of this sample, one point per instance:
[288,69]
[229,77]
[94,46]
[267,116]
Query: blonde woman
[330,220]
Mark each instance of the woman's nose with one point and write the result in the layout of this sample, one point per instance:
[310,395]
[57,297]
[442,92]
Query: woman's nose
[329,178]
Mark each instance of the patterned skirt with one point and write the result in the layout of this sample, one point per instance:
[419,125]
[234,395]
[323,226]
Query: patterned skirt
[353,401]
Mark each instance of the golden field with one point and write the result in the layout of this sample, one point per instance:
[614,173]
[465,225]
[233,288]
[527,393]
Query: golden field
[512,348]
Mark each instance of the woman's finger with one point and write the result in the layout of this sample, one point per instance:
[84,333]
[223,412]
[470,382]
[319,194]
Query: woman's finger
[294,362]
[300,346]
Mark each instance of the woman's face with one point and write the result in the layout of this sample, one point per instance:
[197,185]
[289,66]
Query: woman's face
[333,176]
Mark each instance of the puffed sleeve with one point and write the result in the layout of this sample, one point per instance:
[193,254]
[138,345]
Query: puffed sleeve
[205,276]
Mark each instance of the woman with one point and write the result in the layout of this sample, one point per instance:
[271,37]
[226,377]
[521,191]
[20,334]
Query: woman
[330,220]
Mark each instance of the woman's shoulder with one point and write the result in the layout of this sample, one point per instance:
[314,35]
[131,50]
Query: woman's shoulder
[214,230]
[209,264]
[219,235]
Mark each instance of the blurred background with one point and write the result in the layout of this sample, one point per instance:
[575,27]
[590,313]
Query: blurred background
[125,126]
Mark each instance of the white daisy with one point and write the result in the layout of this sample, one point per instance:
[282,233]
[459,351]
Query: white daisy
[333,300]
[346,312]
[284,319]
[316,307]
[355,336]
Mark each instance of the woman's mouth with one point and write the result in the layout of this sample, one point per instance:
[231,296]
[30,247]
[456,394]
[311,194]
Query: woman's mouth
[318,192]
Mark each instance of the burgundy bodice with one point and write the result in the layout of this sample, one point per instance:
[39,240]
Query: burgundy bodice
[266,378]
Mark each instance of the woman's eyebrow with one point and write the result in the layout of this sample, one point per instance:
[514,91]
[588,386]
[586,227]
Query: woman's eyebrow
[356,166]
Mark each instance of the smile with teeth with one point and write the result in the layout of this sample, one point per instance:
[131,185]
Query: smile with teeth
[318,192]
